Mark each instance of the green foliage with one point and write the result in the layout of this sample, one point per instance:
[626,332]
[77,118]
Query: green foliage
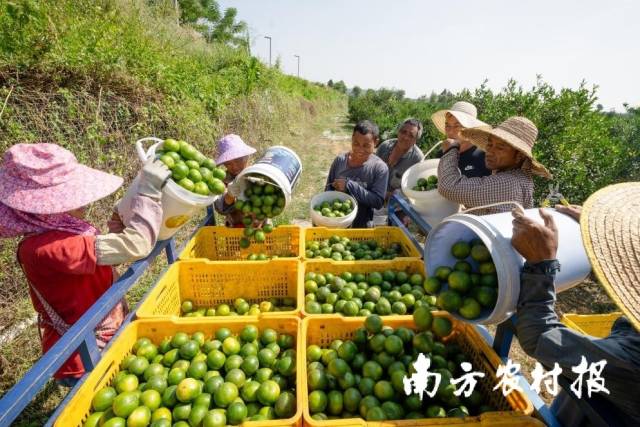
[216,25]
[584,148]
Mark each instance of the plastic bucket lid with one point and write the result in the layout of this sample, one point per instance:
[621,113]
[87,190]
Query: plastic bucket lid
[496,231]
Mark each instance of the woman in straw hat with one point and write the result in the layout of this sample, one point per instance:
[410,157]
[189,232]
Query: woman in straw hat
[234,154]
[610,225]
[67,263]
[508,154]
[463,115]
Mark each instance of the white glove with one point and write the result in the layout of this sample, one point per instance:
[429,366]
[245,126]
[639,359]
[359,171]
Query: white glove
[234,188]
[153,176]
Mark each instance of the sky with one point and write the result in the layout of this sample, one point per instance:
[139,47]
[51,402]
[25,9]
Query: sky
[428,46]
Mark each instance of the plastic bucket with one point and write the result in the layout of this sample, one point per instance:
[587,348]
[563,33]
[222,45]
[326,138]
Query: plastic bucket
[329,196]
[495,231]
[429,204]
[279,164]
[178,204]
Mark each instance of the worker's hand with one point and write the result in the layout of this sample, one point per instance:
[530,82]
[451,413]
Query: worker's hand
[153,176]
[534,241]
[234,189]
[115,224]
[448,143]
[573,211]
[340,184]
[229,198]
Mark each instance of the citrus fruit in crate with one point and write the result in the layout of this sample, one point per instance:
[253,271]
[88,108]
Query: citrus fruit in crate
[366,376]
[239,306]
[343,249]
[361,294]
[214,380]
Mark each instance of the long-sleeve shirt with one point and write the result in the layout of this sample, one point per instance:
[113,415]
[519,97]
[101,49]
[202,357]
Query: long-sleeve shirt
[408,159]
[367,184]
[547,340]
[233,217]
[512,185]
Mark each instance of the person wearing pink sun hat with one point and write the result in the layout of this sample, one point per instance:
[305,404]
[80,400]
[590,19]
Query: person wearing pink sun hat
[68,264]
[233,153]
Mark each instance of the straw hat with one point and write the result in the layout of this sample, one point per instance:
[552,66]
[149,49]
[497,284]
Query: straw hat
[47,179]
[232,147]
[518,132]
[610,225]
[465,112]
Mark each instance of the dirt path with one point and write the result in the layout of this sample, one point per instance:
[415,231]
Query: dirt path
[317,145]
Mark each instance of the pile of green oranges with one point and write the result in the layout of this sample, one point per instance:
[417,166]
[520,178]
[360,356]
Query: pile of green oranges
[191,169]
[364,376]
[343,249]
[426,184]
[468,287]
[197,381]
[335,209]
[260,200]
[239,307]
[358,294]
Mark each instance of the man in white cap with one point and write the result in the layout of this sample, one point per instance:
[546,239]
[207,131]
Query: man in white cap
[463,115]
[508,149]
[610,226]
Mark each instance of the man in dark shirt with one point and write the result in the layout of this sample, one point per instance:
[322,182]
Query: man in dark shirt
[609,225]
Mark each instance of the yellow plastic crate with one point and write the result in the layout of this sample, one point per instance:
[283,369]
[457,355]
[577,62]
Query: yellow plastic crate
[78,409]
[209,283]
[410,266]
[514,410]
[223,244]
[596,325]
[383,235]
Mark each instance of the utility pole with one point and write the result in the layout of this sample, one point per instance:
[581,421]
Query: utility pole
[267,37]
[298,56]
[177,8]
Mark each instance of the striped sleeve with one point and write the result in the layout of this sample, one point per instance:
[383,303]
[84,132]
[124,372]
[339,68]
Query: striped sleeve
[473,192]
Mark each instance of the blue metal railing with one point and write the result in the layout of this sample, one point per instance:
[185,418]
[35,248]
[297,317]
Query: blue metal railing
[80,337]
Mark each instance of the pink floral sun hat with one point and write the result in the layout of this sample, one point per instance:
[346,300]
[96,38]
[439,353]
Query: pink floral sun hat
[47,179]
[232,147]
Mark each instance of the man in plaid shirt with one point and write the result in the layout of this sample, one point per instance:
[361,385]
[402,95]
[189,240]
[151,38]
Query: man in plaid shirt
[509,155]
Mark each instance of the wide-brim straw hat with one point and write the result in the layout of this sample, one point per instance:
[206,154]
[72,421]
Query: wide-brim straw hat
[47,179]
[231,147]
[610,226]
[465,112]
[518,132]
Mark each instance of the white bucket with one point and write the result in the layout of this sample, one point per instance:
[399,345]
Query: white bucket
[496,231]
[279,164]
[178,204]
[431,206]
[329,196]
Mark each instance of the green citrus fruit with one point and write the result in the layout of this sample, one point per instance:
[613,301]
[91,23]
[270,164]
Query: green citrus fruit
[459,281]
[449,300]
[140,417]
[317,401]
[461,250]
[226,394]
[179,171]
[268,392]
[103,399]
[480,253]
[442,273]
[470,309]
[171,145]
[125,403]
[442,326]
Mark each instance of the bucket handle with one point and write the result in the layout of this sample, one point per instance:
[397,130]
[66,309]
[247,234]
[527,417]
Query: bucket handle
[511,202]
[436,145]
[143,154]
